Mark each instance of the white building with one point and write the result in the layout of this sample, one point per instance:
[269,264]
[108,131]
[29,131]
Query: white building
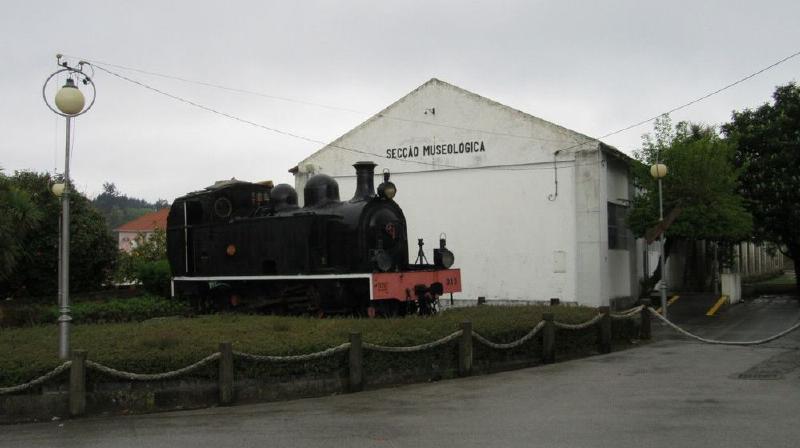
[532,210]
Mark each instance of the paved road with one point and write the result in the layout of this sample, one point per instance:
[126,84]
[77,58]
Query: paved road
[671,393]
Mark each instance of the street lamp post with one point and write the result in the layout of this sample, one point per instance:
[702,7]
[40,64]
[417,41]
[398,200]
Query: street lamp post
[70,103]
[658,171]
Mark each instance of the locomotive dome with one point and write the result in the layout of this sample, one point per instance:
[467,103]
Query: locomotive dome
[283,196]
[321,189]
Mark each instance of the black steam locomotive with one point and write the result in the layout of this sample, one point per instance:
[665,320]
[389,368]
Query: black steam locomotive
[248,245]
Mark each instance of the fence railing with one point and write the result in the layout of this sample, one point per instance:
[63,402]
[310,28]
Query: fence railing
[79,364]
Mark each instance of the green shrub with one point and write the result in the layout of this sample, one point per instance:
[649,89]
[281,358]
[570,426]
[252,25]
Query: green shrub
[155,277]
[115,310]
[161,345]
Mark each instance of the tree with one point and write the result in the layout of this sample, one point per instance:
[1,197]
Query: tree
[18,216]
[767,150]
[702,181]
[92,248]
[118,208]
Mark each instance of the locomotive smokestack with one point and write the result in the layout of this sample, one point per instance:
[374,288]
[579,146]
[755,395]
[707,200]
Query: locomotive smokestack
[365,180]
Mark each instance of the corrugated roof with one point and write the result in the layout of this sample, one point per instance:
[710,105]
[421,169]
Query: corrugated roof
[146,223]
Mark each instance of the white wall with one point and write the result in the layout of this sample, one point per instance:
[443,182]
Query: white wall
[513,238]
[508,239]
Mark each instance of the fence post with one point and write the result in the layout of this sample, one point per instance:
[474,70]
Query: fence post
[77,383]
[465,349]
[644,328]
[548,339]
[605,330]
[356,362]
[225,373]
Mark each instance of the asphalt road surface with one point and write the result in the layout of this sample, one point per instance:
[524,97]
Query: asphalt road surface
[669,393]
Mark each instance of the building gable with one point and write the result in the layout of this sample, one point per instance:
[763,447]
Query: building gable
[441,126]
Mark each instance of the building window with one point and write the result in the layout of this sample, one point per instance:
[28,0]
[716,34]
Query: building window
[617,230]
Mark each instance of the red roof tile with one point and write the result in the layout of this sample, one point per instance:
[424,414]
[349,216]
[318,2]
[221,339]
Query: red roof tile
[146,223]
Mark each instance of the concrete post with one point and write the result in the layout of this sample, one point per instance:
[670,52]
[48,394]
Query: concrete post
[77,383]
[548,339]
[356,362]
[644,328]
[465,349]
[605,330]
[225,373]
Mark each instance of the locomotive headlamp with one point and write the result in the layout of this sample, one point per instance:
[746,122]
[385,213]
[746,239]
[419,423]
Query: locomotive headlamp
[442,256]
[387,189]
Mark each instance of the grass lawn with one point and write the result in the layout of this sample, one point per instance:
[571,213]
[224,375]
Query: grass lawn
[787,278]
[163,344]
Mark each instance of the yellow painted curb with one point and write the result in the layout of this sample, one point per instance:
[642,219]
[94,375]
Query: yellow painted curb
[669,302]
[717,305]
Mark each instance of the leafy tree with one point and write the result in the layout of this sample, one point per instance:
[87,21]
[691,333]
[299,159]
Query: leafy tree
[702,181]
[18,216]
[92,248]
[118,208]
[767,150]
[146,250]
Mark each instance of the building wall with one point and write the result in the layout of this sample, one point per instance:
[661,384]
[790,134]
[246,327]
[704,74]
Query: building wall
[509,241]
[513,237]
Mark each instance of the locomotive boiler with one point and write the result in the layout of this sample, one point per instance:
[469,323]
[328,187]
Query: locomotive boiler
[250,246]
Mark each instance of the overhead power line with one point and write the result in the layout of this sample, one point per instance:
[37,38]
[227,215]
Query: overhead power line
[438,165]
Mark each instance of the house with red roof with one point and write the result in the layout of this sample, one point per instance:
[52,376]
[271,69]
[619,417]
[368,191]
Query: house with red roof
[144,225]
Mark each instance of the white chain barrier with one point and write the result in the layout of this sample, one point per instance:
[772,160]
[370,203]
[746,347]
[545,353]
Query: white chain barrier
[712,341]
[31,384]
[580,326]
[152,376]
[509,345]
[295,358]
[628,314]
[414,348]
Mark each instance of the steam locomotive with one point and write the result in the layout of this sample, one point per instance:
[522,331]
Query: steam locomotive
[242,245]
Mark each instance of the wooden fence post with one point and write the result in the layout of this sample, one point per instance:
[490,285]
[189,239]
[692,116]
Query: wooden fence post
[225,373]
[605,330]
[548,339]
[77,383]
[644,328]
[356,362]
[465,349]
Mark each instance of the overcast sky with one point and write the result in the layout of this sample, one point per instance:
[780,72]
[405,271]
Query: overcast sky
[593,67]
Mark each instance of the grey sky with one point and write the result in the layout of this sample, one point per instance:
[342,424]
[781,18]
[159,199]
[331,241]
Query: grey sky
[593,67]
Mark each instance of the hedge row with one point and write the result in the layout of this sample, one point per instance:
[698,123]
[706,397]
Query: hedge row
[166,344]
[115,310]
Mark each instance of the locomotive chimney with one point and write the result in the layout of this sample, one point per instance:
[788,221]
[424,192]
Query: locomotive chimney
[365,180]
